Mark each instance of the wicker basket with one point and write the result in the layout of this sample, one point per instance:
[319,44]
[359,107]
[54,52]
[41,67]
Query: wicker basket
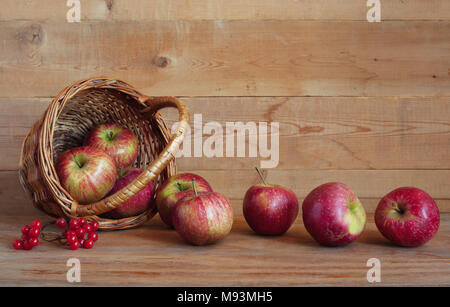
[70,116]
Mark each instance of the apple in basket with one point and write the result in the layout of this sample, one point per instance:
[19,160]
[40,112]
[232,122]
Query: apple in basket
[137,204]
[86,173]
[203,218]
[175,188]
[117,141]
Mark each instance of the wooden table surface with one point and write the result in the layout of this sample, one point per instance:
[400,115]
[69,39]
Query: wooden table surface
[155,255]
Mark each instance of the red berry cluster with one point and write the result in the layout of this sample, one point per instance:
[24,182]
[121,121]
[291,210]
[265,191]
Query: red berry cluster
[30,236]
[80,233]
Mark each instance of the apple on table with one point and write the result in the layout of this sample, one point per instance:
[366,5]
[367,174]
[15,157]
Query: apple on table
[86,173]
[269,209]
[407,216]
[333,214]
[203,218]
[117,141]
[175,188]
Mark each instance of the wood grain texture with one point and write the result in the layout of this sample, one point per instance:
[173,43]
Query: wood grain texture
[113,10]
[315,132]
[230,58]
[335,132]
[153,255]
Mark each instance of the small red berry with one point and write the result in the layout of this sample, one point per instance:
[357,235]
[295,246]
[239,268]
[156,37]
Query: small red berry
[27,245]
[81,242]
[88,244]
[74,224]
[25,229]
[25,237]
[61,223]
[18,244]
[80,233]
[87,228]
[34,232]
[74,245]
[71,239]
[69,233]
[34,241]
[36,224]
[94,225]
[82,221]
[93,236]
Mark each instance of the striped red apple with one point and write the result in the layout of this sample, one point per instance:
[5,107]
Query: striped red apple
[137,204]
[203,218]
[175,188]
[86,173]
[117,141]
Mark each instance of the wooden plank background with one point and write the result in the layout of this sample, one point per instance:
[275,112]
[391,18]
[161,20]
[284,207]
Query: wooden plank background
[364,103]
[229,58]
[225,10]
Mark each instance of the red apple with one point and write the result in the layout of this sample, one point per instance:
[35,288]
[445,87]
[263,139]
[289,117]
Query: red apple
[407,216]
[117,141]
[139,202]
[87,173]
[333,215]
[203,218]
[270,209]
[175,188]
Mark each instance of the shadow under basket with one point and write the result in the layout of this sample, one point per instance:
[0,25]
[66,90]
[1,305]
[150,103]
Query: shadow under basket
[71,115]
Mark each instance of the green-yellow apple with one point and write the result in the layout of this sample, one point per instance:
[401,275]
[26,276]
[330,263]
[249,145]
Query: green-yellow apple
[117,141]
[333,215]
[86,173]
[175,188]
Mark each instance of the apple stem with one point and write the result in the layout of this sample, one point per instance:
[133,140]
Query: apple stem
[397,208]
[194,188]
[77,162]
[121,172]
[110,134]
[260,175]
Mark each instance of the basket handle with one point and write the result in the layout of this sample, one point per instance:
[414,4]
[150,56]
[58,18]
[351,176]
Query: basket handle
[154,169]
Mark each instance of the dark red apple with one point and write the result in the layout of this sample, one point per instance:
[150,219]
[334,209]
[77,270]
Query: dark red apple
[175,188]
[138,203]
[203,218]
[86,173]
[117,141]
[270,209]
[333,215]
[407,216]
